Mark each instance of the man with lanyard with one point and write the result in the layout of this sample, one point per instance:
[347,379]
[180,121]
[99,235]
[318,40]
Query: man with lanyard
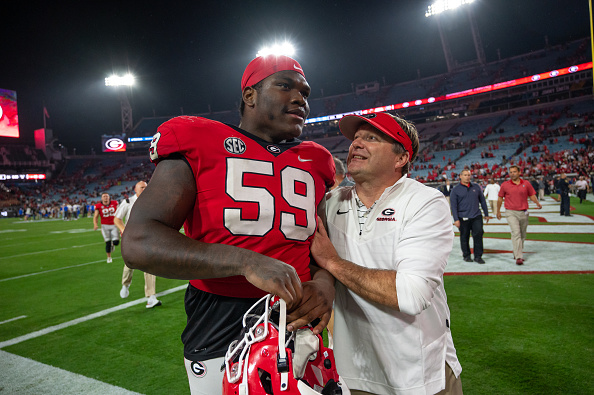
[247,197]
[390,238]
[516,192]
[465,200]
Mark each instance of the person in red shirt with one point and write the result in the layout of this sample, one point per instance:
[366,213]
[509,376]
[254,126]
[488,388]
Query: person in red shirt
[516,193]
[247,197]
[106,210]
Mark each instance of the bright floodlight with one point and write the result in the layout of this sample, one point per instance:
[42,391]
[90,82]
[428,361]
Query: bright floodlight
[285,48]
[443,5]
[116,80]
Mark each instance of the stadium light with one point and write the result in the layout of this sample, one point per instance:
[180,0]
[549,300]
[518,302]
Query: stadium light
[116,80]
[126,80]
[285,48]
[443,5]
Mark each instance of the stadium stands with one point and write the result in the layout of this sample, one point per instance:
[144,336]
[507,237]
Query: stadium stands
[545,127]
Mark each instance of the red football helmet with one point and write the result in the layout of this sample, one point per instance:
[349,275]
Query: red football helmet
[263,363]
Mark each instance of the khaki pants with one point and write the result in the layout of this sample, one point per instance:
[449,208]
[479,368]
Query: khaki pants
[453,385]
[150,281]
[493,204]
[518,223]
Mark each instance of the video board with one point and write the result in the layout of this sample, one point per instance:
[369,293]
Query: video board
[9,117]
[113,144]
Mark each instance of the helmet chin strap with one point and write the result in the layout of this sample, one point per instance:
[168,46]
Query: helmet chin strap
[283,363]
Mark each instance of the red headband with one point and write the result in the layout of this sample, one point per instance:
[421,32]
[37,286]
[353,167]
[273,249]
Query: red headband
[264,66]
[385,123]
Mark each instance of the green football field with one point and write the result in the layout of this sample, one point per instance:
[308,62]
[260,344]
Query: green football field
[514,334]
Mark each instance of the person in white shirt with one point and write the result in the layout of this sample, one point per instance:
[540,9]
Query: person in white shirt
[150,287]
[582,188]
[390,239]
[491,192]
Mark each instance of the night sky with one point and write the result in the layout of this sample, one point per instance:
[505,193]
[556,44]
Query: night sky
[190,55]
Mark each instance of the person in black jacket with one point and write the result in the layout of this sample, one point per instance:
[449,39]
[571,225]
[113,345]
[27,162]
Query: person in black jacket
[466,201]
[563,187]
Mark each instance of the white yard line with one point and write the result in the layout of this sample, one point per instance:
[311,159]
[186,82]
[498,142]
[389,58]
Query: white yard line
[19,375]
[52,270]
[48,251]
[13,319]
[89,317]
[15,371]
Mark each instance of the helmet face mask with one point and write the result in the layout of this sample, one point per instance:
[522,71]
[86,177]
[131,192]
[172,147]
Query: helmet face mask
[264,361]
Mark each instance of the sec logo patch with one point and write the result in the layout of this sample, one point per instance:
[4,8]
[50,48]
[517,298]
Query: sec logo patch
[234,145]
[198,369]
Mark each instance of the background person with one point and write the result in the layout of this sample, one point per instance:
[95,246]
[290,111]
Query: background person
[390,238]
[150,281]
[106,210]
[564,187]
[516,193]
[541,188]
[466,202]
[582,187]
[341,179]
[247,197]
[491,193]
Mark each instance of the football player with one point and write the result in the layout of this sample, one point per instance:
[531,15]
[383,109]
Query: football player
[247,197]
[106,210]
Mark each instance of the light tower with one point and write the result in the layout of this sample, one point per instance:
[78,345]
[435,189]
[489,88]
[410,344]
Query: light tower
[121,82]
[284,48]
[437,9]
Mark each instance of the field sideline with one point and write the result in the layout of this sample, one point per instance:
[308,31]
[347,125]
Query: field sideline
[64,329]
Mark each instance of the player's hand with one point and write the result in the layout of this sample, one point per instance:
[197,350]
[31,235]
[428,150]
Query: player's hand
[322,249]
[457,224]
[317,300]
[95,227]
[487,218]
[499,215]
[277,278]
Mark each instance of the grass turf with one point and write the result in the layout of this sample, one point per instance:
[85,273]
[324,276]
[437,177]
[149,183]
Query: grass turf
[523,334]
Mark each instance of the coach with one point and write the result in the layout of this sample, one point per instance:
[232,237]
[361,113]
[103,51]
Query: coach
[466,200]
[390,238]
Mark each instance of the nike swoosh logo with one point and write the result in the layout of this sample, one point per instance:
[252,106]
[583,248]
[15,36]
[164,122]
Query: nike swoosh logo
[338,212]
[297,68]
[303,160]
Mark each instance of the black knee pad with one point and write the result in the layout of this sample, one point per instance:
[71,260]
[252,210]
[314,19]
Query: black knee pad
[116,242]
[108,246]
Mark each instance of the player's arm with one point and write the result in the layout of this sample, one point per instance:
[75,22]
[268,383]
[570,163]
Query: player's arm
[95,220]
[318,294]
[152,241]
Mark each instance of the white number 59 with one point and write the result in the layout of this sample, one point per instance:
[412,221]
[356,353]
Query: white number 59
[289,177]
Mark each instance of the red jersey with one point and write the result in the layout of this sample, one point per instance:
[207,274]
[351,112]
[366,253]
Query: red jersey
[516,196]
[107,213]
[250,193]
